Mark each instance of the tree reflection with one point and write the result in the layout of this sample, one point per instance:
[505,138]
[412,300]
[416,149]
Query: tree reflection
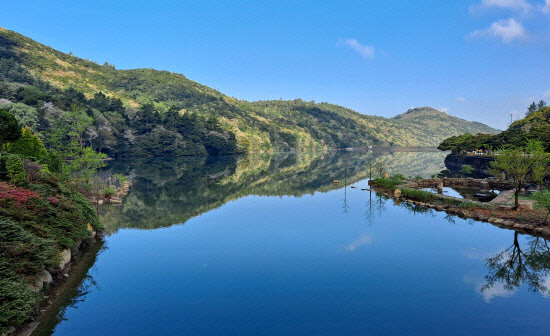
[515,266]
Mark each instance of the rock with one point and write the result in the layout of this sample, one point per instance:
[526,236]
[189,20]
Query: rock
[92,232]
[76,247]
[519,226]
[65,258]
[508,223]
[538,230]
[66,275]
[546,231]
[498,221]
[397,193]
[100,202]
[116,201]
[491,219]
[526,205]
[438,208]
[529,227]
[44,277]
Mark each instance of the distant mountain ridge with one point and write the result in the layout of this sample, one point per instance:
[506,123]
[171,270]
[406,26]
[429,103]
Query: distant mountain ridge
[255,126]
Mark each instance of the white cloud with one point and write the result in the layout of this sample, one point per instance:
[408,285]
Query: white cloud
[460,99]
[507,30]
[521,5]
[364,50]
[546,8]
[444,109]
[547,94]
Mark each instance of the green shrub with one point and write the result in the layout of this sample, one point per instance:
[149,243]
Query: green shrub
[16,301]
[467,205]
[467,169]
[418,195]
[389,183]
[14,166]
[121,178]
[109,191]
[543,201]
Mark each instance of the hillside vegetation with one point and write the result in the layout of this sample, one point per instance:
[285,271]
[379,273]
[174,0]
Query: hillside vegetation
[148,112]
[535,126]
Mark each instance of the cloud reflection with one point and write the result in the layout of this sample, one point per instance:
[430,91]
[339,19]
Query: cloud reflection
[364,239]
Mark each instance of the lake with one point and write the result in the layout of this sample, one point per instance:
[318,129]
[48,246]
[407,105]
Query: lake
[269,245]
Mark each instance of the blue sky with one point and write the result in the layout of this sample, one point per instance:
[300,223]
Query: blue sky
[479,60]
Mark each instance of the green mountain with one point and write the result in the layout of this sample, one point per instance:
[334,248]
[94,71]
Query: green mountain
[149,112]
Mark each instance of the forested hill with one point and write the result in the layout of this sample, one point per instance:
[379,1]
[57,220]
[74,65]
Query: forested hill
[148,112]
[534,126]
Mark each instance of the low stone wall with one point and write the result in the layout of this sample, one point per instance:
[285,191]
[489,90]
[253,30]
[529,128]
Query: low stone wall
[478,213]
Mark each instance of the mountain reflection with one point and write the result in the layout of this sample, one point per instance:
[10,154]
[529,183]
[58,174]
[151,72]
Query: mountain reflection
[168,191]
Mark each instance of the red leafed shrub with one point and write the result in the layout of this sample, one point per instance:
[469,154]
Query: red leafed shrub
[53,200]
[18,194]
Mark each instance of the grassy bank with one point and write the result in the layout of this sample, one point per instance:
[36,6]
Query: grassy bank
[37,222]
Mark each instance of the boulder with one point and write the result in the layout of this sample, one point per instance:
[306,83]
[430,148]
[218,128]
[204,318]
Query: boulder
[43,278]
[526,205]
[508,223]
[65,257]
[92,232]
[396,193]
[76,247]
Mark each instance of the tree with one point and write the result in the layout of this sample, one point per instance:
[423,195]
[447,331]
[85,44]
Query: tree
[543,201]
[519,164]
[541,104]
[84,163]
[25,115]
[531,109]
[28,145]
[540,173]
[9,128]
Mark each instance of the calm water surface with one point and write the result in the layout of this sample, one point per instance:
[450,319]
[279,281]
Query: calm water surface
[267,245]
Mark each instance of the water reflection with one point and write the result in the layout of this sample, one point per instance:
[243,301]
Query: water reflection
[515,266]
[299,264]
[171,191]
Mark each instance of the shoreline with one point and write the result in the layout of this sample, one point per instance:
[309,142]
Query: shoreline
[60,289]
[525,221]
